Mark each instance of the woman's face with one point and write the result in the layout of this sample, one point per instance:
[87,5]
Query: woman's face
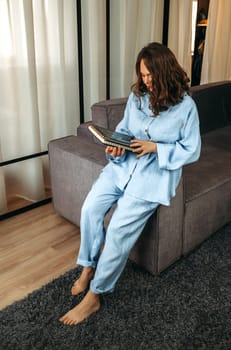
[146,75]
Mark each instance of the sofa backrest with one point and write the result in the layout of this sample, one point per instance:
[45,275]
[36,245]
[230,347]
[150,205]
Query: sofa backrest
[108,113]
[213,101]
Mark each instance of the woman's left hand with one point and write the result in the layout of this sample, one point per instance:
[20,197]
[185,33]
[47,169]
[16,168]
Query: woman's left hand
[143,147]
[115,151]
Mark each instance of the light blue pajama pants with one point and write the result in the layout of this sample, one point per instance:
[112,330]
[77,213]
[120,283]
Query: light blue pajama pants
[126,225]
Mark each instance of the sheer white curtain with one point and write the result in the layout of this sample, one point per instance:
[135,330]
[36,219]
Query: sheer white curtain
[39,74]
[94,53]
[134,23]
[217,51]
[38,88]
[180,32]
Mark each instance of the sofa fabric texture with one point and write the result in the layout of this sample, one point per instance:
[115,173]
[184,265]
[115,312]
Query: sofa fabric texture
[203,200]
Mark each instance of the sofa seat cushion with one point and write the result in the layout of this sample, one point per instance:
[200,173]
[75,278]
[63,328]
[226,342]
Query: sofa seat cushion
[207,193]
[212,170]
[220,138]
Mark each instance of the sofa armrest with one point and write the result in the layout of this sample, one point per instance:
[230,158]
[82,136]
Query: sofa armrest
[83,132]
[74,165]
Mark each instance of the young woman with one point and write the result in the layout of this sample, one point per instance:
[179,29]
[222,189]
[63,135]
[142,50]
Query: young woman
[163,120]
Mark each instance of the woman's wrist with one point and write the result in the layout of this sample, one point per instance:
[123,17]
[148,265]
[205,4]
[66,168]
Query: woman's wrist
[154,147]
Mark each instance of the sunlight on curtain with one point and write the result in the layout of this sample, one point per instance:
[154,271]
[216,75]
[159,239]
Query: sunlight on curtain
[38,87]
[94,53]
[180,32]
[134,23]
[129,32]
[216,64]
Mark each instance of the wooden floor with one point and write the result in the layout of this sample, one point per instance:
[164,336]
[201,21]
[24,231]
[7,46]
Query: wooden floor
[35,247]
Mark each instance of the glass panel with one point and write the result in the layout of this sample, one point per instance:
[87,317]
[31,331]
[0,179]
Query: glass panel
[26,182]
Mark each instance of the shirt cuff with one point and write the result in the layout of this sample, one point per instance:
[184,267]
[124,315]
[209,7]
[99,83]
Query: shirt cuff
[162,155]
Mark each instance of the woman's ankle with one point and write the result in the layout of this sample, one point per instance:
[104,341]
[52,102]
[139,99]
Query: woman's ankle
[88,271]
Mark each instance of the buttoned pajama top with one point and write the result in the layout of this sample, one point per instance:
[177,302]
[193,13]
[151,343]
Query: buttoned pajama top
[154,177]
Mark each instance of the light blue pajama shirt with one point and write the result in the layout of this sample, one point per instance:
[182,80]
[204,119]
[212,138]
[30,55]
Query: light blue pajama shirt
[154,177]
[138,185]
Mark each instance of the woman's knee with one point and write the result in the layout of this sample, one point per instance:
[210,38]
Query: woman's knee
[88,208]
[94,207]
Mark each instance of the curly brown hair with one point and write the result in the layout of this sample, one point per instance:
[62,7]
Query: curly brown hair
[169,80]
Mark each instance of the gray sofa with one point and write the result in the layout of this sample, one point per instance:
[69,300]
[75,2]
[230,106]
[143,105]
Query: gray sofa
[203,200]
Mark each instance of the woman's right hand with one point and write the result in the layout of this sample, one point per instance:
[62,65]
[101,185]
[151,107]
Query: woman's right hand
[114,151]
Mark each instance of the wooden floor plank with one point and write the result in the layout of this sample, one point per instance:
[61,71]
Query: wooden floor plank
[35,247]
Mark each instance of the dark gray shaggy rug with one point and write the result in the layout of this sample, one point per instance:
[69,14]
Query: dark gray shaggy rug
[186,307]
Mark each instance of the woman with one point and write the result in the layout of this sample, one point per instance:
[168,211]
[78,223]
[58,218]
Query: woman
[163,120]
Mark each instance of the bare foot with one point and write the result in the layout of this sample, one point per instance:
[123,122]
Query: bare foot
[84,309]
[82,283]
